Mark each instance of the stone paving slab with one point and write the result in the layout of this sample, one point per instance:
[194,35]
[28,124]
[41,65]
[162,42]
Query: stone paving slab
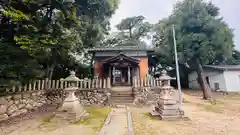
[118,123]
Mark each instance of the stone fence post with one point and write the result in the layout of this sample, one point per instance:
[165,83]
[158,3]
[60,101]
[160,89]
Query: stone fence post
[108,82]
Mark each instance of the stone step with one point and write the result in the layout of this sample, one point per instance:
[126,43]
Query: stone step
[121,88]
[123,98]
[122,101]
[122,95]
[116,105]
[122,92]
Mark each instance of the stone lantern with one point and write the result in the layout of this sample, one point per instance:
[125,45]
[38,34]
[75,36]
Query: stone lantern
[166,106]
[71,109]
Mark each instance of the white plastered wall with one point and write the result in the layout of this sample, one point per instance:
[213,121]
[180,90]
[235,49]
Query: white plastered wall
[214,77]
[232,80]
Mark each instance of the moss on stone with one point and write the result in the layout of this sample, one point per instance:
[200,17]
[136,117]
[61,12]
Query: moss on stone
[96,118]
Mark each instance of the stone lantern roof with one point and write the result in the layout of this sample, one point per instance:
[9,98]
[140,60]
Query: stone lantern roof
[165,77]
[71,78]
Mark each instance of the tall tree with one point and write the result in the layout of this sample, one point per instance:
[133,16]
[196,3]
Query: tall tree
[131,31]
[201,36]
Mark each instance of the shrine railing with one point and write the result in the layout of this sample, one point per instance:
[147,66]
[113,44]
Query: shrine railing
[57,84]
[83,84]
[146,82]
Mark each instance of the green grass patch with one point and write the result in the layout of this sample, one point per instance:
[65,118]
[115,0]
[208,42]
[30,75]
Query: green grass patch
[46,124]
[47,118]
[185,100]
[213,108]
[96,118]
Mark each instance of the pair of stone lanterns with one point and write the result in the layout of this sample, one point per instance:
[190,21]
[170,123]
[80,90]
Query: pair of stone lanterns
[166,106]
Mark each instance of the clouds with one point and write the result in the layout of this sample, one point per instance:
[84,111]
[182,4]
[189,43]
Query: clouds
[155,10]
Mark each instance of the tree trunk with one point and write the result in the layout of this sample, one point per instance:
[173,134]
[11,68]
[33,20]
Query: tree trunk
[130,33]
[207,93]
[47,71]
[91,65]
[51,71]
[46,77]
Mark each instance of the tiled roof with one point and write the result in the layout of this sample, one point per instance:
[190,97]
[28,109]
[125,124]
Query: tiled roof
[120,56]
[120,48]
[223,67]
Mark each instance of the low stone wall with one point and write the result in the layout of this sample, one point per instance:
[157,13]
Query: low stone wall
[14,105]
[86,97]
[146,95]
[94,97]
[149,95]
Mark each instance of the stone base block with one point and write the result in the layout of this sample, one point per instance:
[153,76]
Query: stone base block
[167,102]
[154,113]
[70,111]
[68,117]
[171,118]
[3,117]
[168,112]
[168,115]
[168,107]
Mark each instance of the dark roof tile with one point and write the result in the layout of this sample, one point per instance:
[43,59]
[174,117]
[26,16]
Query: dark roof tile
[121,48]
[223,67]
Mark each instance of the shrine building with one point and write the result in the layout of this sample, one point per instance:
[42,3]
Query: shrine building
[121,63]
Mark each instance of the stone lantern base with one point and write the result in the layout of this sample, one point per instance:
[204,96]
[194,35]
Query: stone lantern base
[167,111]
[166,107]
[71,109]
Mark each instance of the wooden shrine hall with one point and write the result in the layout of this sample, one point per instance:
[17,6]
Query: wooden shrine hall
[121,63]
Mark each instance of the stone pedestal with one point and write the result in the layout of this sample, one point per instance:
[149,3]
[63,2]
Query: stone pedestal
[166,107]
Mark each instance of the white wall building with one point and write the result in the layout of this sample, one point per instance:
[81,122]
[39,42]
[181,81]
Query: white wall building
[224,78]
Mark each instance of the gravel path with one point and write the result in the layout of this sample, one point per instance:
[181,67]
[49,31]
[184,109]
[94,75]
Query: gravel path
[118,123]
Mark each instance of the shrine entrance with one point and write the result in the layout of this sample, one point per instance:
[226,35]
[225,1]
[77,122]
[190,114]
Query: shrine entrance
[121,69]
[120,77]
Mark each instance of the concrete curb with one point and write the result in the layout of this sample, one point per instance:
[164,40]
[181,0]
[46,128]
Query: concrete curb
[129,120]
[107,121]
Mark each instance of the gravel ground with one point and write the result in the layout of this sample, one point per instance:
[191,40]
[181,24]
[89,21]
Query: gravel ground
[205,119]
[33,124]
[25,120]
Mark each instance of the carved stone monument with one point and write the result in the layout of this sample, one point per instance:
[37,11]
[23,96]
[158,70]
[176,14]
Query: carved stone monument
[71,109]
[166,106]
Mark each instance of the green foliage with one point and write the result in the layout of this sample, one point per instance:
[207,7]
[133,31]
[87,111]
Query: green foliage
[37,38]
[202,38]
[131,32]
[200,33]
[16,15]
[234,60]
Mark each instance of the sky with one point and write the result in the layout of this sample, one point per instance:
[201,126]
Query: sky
[154,10]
